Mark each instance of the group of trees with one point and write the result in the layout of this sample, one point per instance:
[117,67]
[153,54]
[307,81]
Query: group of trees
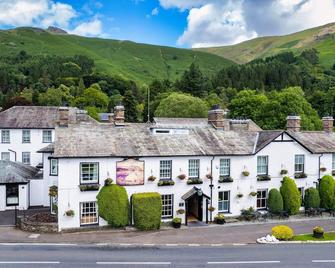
[264,90]
[289,197]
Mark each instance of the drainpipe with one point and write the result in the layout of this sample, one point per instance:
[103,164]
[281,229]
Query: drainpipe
[319,168]
[211,186]
[14,154]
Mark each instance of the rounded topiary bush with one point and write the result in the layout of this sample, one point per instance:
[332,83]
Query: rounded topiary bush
[327,195]
[312,198]
[275,201]
[113,205]
[147,210]
[291,196]
[282,232]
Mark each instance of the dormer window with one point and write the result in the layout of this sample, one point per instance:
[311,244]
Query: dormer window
[167,131]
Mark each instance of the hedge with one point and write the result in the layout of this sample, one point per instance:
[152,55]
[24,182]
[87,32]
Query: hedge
[327,195]
[147,210]
[275,201]
[113,205]
[312,198]
[282,232]
[291,196]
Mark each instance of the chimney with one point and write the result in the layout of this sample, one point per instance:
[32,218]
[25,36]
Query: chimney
[119,115]
[216,117]
[63,116]
[293,123]
[328,124]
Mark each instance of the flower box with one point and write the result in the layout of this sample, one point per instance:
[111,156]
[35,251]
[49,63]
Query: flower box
[89,187]
[224,179]
[165,183]
[263,178]
[194,181]
[300,175]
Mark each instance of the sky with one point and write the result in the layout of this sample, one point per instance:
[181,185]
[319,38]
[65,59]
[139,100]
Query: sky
[180,23]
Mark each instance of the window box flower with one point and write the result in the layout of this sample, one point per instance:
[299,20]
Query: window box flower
[182,176]
[165,183]
[253,194]
[176,222]
[300,175]
[224,179]
[245,173]
[264,177]
[219,219]
[89,187]
[69,213]
[194,181]
[151,178]
[283,172]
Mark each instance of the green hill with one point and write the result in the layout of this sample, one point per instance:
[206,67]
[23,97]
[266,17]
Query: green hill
[140,62]
[322,38]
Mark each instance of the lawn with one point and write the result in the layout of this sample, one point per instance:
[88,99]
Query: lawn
[307,237]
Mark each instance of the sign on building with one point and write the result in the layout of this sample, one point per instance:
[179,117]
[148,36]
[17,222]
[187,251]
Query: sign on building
[130,172]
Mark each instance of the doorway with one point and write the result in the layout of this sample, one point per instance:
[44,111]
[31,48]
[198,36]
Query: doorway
[194,208]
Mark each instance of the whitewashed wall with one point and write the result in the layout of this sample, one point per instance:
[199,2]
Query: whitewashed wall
[23,198]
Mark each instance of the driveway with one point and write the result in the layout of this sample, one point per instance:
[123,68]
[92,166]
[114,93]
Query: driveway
[7,218]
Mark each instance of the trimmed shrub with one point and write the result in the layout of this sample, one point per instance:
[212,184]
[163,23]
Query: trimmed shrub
[291,196]
[282,232]
[275,201]
[327,195]
[147,210]
[113,205]
[312,198]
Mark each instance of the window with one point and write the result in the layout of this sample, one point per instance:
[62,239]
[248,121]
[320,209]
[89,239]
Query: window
[26,158]
[299,163]
[165,169]
[25,136]
[262,165]
[12,194]
[193,168]
[5,156]
[333,161]
[262,196]
[5,136]
[88,213]
[224,201]
[54,167]
[47,136]
[224,167]
[89,172]
[167,205]
[302,194]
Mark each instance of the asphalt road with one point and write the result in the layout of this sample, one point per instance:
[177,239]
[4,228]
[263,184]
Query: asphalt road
[312,255]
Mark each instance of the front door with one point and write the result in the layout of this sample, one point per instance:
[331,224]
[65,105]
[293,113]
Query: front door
[194,208]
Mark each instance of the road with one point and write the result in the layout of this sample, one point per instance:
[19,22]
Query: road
[247,256]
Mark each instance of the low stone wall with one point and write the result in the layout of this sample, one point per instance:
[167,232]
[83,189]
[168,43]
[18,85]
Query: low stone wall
[27,225]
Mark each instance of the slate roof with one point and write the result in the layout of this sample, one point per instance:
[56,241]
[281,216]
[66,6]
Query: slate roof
[15,172]
[47,149]
[35,117]
[317,142]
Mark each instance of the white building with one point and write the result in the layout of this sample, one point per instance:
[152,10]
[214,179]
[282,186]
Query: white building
[214,155]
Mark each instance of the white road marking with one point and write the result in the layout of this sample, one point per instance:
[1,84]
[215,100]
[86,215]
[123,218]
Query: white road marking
[242,262]
[132,263]
[29,262]
[171,245]
[34,236]
[239,244]
[37,244]
[323,261]
[216,245]
[194,245]
[148,244]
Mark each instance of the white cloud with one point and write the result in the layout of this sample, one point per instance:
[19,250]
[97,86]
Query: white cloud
[91,28]
[224,22]
[155,11]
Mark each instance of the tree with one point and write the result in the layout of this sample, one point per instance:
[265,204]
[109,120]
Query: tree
[56,96]
[92,97]
[16,101]
[130,106]
[275,201]
[181,105]
[291,196]
[327,194]
[312,198]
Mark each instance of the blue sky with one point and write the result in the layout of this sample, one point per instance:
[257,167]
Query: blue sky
[181,23]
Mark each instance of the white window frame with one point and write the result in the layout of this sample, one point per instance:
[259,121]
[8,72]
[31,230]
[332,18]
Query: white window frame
[224,204]
[26,136]
[262,165]
[89,210]
[47,136]
[262,198]
[194,168]
[5,156]
[225,167]
[26,158]
[91,175]
[5,136]
[53,167]
[165,169]
[167,206]
[299,163]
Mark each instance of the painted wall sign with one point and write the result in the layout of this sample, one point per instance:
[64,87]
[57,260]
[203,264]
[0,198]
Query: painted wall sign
[130,172]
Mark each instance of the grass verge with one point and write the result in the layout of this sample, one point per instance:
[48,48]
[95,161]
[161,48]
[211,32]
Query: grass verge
[309,237]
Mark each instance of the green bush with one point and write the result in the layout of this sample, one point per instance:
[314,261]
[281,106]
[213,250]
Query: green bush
[312,198]
[113,205]
[327,195]
[282,232]
[275,201]
[147,210]
[291,196]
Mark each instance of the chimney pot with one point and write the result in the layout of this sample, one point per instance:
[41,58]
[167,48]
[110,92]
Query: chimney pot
[63,116]
[293,123]
[216,116]
[328,124]
[119,115]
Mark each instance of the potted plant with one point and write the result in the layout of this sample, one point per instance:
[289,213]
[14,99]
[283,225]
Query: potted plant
[283,172]
[180,211]
[151,178]
[108,181]
[245,173]
[69,213]
[176,222]
[318,232]
[323,169]
[253,194]
[219,219]
[239,195]
[211,209]
[182,176]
